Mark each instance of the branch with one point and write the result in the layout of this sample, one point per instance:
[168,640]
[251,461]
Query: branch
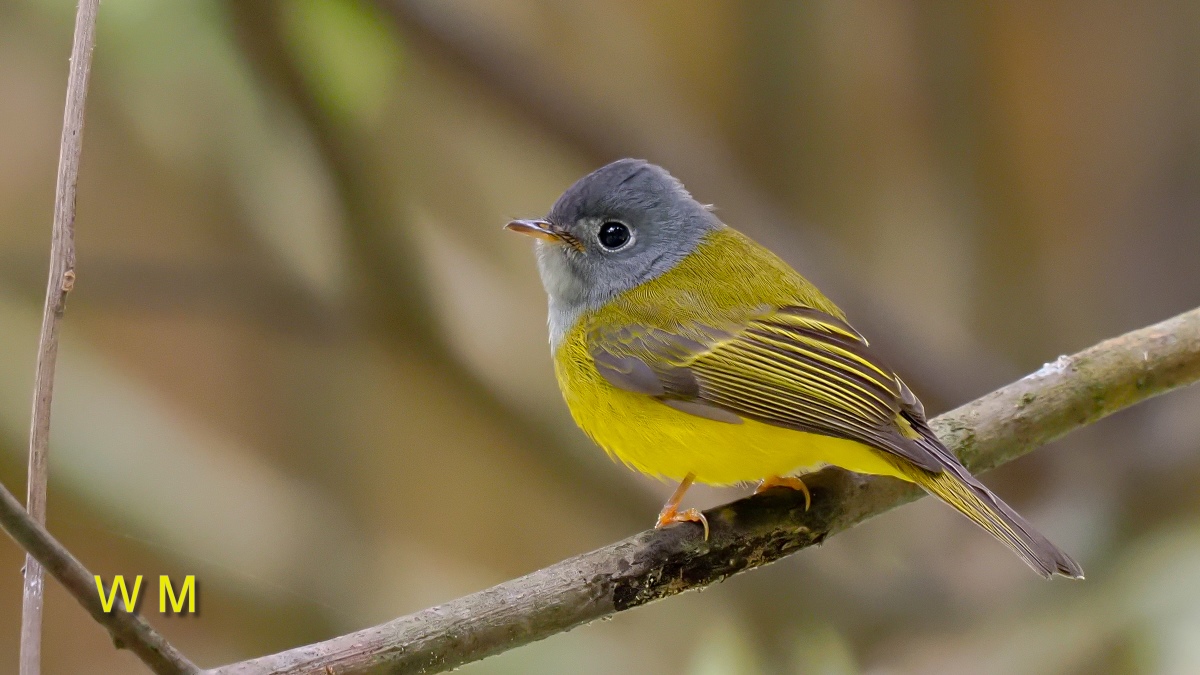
[26,527]
[128,629]
[1069,393]
[62,279]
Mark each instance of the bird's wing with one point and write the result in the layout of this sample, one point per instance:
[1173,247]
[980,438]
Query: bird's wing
[794,367]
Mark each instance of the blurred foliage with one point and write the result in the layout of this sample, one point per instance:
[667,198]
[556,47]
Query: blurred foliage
[304,363]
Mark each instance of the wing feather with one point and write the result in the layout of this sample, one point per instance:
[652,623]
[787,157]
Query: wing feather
[794,367]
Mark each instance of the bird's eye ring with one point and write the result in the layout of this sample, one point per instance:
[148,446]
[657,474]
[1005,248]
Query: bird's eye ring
[613,235]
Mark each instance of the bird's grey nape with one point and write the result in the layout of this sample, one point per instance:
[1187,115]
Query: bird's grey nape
[665,222]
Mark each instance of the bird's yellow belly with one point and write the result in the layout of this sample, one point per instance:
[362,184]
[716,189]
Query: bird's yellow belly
[658,440]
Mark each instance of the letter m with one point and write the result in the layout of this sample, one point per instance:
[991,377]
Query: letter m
[107,601]
[188,592]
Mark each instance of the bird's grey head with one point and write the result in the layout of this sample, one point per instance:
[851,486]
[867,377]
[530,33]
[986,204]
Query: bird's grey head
[617,227]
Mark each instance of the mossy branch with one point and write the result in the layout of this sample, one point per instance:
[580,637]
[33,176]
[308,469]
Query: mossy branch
[1069,393]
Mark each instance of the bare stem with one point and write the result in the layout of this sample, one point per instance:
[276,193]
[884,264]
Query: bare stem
[26,526]
[62,279]
[128,629]
[1064,395]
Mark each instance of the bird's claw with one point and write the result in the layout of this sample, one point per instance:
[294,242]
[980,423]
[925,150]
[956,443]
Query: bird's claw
[788,482]
[689,516]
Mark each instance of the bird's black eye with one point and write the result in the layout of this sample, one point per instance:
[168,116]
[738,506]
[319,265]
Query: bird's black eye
[613,235]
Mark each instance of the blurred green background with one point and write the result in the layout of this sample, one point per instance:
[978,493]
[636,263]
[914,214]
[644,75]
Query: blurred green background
[304,363]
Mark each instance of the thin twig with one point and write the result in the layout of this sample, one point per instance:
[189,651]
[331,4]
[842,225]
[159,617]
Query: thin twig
[62,279]
[1066,394]
[44,553]
[127,628]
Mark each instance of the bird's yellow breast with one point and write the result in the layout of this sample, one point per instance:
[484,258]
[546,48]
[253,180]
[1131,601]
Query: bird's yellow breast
[659,440]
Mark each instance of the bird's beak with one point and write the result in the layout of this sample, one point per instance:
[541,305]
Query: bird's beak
[542,229]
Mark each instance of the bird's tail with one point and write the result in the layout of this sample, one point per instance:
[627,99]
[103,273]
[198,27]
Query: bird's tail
[958,488]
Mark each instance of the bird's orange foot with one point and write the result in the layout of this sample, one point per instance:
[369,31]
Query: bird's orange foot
[788,482]
[671,515]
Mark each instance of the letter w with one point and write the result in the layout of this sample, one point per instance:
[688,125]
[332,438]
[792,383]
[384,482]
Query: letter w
[106,602]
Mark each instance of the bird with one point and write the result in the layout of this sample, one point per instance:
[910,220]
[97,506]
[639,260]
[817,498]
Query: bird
[690,352]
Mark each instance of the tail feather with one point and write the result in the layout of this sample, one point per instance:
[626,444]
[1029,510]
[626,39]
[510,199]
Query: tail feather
[958,488]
